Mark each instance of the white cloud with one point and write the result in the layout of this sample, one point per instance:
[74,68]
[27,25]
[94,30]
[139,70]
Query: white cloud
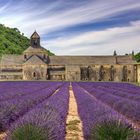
[122,39]
[47,18]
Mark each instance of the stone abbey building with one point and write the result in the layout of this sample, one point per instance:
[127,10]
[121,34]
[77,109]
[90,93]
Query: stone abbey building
[36,64]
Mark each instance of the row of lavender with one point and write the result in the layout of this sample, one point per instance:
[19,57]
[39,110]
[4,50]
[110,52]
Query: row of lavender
[50,115]
[125,100]
[9,90]
[93,111]
[23,98]
[126,90]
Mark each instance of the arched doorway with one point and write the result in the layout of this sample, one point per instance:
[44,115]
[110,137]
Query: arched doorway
[35,76]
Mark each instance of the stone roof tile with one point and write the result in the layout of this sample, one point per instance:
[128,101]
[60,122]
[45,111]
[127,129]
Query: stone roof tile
[35,50]
[34,60]
[85,60]
[11,59]
[35,35]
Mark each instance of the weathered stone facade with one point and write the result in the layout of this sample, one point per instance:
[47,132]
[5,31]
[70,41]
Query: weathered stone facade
[36,64]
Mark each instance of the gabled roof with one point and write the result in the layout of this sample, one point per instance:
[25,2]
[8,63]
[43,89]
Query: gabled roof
[126,59]
[35,50]
[34,60]
[82,60]
[11,59]
[35,35]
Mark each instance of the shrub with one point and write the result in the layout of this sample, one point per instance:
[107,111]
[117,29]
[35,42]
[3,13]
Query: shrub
[29,132]
[113,130]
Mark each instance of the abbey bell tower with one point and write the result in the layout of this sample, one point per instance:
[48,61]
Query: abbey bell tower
[35,40]
[35,48]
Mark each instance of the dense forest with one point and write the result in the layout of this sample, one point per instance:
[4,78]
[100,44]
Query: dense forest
[12,41]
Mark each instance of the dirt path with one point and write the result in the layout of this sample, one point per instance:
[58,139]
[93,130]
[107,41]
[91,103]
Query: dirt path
[74,129]
[2,136]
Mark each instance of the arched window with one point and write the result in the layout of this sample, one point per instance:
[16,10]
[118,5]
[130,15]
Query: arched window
[101,73]
[112,73]
[25,56]
[124,73]
[34,74]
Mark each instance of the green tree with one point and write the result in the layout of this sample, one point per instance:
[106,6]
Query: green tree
[137,57]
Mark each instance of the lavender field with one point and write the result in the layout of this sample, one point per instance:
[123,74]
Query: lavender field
[105,101]
[43,108]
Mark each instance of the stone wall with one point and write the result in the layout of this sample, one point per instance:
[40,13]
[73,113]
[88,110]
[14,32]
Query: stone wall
[34,72]
[119,73]
[138,73]
[106,72]
[73,73]
[12,72]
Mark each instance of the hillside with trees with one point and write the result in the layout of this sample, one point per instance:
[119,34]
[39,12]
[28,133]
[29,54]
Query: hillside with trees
[12,41]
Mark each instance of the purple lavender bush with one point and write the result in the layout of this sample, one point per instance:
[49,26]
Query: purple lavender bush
[127,103]
[10,90]
[11,110]
[50,116]
[93,111]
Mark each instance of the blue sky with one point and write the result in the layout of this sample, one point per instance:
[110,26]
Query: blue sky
[77,27]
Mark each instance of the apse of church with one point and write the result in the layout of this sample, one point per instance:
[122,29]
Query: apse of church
[36,64]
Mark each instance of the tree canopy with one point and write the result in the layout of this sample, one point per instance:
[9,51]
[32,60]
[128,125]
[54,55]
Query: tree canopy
[137,57]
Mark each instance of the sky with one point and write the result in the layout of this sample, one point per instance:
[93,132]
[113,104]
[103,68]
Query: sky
[77,27]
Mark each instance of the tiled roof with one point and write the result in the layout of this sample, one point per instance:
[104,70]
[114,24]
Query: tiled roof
[35,50]
[68,60]
[34,60]
[11,59]
[35,35]
[83,60]
[125,59]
